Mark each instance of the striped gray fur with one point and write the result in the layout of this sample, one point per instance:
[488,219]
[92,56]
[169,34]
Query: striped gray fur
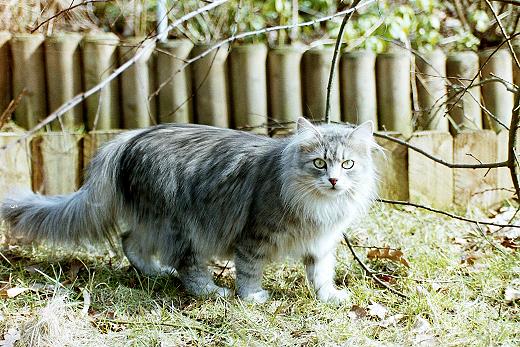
[183,194]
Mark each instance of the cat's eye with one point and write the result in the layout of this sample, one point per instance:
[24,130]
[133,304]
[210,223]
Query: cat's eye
[347,164]
[319,163]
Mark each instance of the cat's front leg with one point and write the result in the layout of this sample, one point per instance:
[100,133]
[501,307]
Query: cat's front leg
[249,264]
[320,273]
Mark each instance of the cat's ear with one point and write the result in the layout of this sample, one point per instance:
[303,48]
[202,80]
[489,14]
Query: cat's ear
[365,129]
[304,126]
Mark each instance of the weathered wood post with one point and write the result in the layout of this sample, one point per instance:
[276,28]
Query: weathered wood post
[29,74]
[175,104]
[431,91]
[210,86]
[15,164]
[429,182]
[358,87]
[475,186]
[5,70]
[284,78]
[461,67]
[316,64]
[249,86]
[136,84]
[495,96]
[57,162]
[393,92]
[94,140]
[63,64]
[99,61]
[394,164]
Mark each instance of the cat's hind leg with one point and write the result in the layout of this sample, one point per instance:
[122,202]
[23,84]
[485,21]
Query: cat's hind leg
[140,248]
[197,278]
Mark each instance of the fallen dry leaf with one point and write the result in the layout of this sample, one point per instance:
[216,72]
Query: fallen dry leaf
[357,312]
[469,259]
[74,268]
[377,310]
[395,255]
[509,243]
[12,292]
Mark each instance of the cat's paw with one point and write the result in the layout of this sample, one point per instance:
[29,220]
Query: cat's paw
[211,290]
[223,292]
[335,296]
[259,297]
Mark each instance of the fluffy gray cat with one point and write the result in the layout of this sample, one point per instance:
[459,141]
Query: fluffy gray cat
[186,193]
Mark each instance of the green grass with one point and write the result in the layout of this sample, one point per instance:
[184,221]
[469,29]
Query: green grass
[450,302]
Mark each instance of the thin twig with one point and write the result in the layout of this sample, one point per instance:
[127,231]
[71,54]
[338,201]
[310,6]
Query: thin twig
[451,215]
[8,112]
[511,155]
[438,160]
[167,324]
[82,96]
[512,2]
[70,8]
[504,33]
[337,49]
[470,85]
[256,33]
[368,271]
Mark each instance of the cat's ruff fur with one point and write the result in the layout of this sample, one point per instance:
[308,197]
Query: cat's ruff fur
[186,193]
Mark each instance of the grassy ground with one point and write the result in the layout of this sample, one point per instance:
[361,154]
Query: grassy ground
[456,284]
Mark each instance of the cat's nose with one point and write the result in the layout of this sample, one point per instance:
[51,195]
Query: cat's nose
[333,181]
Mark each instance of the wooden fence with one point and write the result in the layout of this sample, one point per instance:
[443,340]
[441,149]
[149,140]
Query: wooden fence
[247,85]
[53,163]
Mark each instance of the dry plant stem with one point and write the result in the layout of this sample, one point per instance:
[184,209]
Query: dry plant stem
[451,215]
[70,8]
[470,85]
[511,155]
[460,13]
[167,324]
[255,33]
[440,161]
[504,33]
[512,2]
[80,97]
[8,112]
[369,272]
[337,49]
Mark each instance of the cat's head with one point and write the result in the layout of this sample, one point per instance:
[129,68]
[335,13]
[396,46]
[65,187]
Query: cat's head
[332,160]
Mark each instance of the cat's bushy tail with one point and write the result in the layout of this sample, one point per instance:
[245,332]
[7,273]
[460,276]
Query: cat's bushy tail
[88,214]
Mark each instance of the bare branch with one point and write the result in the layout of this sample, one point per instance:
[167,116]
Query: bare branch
[512,2]
[511,155]
[255,33]
[8,112]
[470,85]
[451,215]
[370,272]
[337,49]
[440,161]
[504,33]
[70,8]
[82,96]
